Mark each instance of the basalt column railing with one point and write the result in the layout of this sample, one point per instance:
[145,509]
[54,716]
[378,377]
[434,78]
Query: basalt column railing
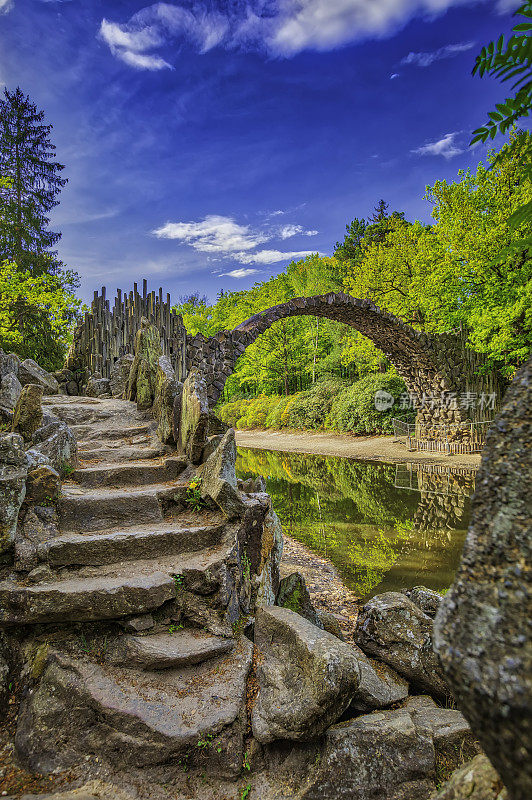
[107,334]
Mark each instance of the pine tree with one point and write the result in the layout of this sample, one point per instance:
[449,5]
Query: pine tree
[34,182]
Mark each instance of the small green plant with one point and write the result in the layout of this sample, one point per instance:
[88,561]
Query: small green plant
[174,628]
[66,470]
[205,741]
[179,580]
[193,497]
[245,791]
[246,763]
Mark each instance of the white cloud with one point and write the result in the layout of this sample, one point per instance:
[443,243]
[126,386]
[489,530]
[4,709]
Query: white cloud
[214,234]
[239,273]
[505,6]
[445,147]
[270,256]
[283,28]
[287,231]
[5,6]
[394,75]
[426,59]
[224,237]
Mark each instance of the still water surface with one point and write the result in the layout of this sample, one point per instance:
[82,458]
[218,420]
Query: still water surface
[384,526]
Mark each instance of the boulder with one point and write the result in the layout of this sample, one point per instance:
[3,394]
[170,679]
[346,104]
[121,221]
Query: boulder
[218,478]
[482,629]
[10,391]
[30,372]
[27,416]
[194,417]
[394,630]
[380,686]
[293,594]
[43,485]
[306,677]
[148,350]
[268,578]
[167,387]
[120,375]
[55,441]
[98,387]
[476,780]
[329,622]
[13,472]
[385,755]
[9,364]
[425,599]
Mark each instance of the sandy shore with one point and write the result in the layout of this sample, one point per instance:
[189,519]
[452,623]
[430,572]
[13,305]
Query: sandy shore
[371,448]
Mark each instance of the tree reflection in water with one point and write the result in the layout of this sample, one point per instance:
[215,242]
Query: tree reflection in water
[385,527]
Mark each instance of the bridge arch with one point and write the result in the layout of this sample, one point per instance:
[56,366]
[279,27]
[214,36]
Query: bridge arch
[429,364]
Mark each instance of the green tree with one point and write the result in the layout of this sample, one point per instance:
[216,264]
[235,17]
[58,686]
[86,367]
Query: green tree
[36,314]
[34,182]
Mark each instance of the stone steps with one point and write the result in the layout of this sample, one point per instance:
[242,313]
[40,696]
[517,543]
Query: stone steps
[189,716]
[130,474]
[121,453]
[168,650]
[79,600]
[87,433]
[110,591]
[131,544]
[99,509]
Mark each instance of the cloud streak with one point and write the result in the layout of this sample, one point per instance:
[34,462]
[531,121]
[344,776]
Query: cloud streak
[426,59]
[445,147]
[282,29]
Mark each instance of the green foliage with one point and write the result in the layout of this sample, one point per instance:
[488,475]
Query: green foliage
[509,60]
[310,408]
[36,315]
[354,409]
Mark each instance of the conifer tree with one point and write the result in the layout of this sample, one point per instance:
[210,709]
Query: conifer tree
[33,184]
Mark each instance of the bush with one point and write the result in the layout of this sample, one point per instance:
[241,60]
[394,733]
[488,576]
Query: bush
[310,408]
[354,408]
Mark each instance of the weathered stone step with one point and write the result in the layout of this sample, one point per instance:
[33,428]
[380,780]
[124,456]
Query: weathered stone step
[169,650]
[99,509]
[84,599]
[110,591]
[87,433]
[131,544]
[122,453]
[137,718]
[141,473]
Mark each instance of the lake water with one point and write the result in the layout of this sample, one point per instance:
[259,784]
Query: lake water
[385,526]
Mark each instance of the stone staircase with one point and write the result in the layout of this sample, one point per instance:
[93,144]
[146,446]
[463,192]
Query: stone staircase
[129,606]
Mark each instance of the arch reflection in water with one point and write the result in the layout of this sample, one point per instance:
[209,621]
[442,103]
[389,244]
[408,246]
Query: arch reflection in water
[385,527]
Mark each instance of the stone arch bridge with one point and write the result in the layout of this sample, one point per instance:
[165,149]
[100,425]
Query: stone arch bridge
[431,365]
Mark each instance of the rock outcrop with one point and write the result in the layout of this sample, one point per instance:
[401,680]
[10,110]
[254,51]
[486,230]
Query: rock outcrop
[27,415]
[388,755]
[193,417]
[30,372]
[13,472]
[218,478]
[476,780]
[119,378]
[142,375]
[307,677]
[394,630]
[482,629]
[293,594]
[166,390]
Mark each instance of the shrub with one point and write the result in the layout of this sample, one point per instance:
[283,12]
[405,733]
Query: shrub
[354,408]
[310,408]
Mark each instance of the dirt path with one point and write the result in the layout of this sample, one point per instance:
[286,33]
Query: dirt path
[370,448]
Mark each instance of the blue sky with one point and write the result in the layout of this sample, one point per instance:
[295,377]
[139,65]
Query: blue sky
[207,144]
